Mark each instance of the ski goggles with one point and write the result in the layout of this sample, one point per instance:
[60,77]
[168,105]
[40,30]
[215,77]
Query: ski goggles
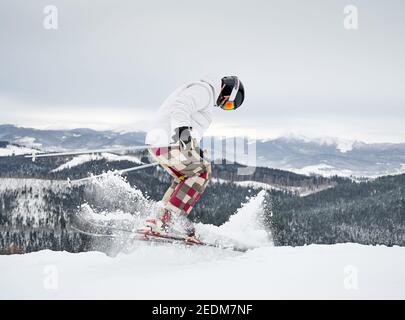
[230,105]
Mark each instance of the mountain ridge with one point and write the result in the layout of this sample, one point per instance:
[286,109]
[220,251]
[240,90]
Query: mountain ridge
[325,156]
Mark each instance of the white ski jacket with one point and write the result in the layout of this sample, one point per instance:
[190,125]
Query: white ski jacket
[190,105]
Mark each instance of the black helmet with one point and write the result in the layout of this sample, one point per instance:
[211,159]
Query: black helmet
[232,93]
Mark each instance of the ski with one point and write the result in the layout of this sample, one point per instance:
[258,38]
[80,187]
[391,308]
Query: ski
[134,236]
[148,237]
[108,232]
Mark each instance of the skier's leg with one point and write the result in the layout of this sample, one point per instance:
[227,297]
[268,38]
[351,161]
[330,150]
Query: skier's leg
[158,224]
[168,159]
[162,156]
[191,177]
[184,199]
[188,192]
[192,173]
[168,194]
[164,214]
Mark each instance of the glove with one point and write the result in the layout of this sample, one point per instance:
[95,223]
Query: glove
[182,135]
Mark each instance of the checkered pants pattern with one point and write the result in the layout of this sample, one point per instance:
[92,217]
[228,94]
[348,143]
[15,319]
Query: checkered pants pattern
[191,175]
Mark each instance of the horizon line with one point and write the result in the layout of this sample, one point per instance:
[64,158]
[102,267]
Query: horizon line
[291,135]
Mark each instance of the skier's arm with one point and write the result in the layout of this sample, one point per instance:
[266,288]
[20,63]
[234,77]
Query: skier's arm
[191,100]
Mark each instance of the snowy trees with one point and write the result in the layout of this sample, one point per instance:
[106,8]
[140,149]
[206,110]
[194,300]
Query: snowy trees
[367,213]
[35,213]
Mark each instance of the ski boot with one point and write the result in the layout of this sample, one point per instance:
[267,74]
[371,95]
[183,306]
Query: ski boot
[184,226]
[157,226]
[168,224]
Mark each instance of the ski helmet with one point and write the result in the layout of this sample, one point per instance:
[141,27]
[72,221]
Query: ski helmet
[232,93]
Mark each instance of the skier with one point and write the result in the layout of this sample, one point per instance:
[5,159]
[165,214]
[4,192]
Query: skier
[180,124]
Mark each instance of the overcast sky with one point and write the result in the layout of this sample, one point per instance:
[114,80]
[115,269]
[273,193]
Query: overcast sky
[111,63]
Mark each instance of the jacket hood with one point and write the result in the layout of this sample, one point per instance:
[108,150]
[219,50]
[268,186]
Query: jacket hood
[214,82]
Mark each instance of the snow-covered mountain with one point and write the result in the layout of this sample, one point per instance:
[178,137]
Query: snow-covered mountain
[82,138]
[324,156]
[11,149]
[331,156]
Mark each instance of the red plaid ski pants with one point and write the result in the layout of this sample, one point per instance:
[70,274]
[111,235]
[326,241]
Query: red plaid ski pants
[191,175]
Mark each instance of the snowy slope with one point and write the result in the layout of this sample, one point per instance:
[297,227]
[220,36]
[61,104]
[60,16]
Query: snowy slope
[323,170]
[163,272]
[16,150]
[182,272]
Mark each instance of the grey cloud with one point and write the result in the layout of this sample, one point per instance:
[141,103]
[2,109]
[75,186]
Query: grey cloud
[295,57]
